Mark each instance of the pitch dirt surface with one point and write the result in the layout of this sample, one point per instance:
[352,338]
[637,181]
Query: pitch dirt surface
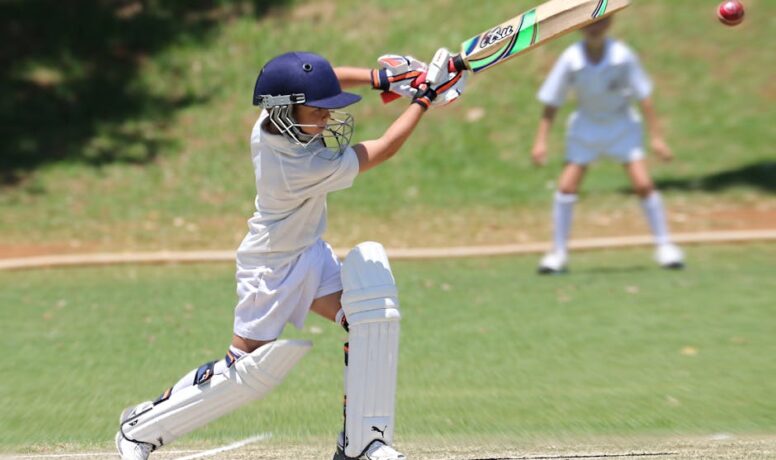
[721,447]
[750,448]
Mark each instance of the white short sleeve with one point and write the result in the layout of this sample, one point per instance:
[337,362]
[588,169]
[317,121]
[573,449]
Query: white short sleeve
[639,81]
[343,174]
[555,88]
[338,175]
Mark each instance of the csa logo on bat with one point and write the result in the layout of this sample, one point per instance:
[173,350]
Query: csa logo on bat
[495,35]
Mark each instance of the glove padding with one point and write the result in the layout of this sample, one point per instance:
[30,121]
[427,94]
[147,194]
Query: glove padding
[452,89]
[448,90]
[397,74]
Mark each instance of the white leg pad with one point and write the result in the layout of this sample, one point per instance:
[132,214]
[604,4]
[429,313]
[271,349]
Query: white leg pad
[371,305]
[250,378]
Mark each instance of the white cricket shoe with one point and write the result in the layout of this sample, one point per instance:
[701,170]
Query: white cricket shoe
[131,450]
[377,450]
[669,256]
[553,262]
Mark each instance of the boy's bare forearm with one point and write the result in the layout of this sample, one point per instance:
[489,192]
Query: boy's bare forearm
[353,76]
[657,141]
[650,115]
[545,124]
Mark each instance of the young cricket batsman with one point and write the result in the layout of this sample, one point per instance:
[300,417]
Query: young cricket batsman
[301,151]
[606,76]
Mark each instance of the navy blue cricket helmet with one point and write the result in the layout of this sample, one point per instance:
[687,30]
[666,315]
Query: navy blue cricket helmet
[300,78]
[308,79]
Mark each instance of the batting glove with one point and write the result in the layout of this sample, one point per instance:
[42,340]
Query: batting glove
[443,93]
[396,75]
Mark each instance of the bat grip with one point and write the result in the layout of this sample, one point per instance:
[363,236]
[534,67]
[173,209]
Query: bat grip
[457,64]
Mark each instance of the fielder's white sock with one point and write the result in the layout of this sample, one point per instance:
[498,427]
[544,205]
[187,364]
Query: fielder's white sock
[562,215]
[653,210]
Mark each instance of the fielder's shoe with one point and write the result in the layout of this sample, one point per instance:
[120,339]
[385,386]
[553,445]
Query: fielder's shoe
[377,450]
[131,450]
[553,262]
[669,256]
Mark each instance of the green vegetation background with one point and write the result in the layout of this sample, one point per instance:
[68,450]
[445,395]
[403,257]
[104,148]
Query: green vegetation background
[125,125]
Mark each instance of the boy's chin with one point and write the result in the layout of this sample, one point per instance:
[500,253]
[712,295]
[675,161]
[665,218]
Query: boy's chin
[595,41]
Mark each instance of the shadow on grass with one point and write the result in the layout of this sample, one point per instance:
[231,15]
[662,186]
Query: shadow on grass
[760,175]
[69,87]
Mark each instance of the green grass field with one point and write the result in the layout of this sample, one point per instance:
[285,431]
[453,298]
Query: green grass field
[133,134]
[173,171]
[616,349]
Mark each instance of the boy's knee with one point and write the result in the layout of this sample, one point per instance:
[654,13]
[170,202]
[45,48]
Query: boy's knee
[643,190]
[567,190]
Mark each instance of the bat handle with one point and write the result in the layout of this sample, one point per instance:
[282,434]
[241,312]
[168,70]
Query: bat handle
[456,64]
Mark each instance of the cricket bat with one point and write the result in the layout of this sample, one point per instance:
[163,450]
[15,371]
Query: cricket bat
[522,33]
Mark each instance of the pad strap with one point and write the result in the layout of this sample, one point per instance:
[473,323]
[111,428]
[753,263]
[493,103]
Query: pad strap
[250,378]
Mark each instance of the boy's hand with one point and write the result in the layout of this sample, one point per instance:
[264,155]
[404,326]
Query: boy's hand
[396,74]
[661,149]
[451,84]
[539,153]
[448,90]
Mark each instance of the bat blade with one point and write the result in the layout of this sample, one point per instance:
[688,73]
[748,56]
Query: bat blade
[531,29]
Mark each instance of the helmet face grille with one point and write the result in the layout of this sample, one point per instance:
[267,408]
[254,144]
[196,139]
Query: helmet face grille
[336,136]
[338,133]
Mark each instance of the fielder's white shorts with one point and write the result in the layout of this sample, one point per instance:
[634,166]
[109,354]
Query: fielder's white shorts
[621,139]
[269,297]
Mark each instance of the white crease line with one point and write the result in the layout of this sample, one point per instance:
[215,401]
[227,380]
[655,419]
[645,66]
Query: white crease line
[234,445]
[194,453]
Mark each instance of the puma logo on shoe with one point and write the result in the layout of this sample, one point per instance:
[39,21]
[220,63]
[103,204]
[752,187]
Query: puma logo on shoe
[382,432]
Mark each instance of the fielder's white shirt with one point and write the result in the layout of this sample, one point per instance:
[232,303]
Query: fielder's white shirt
[291,187]
[604,90]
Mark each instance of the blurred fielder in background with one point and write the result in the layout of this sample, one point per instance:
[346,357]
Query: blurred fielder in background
[606,76]
[300,149]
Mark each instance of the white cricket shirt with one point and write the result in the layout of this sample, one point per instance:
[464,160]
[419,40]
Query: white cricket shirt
[291,187]
[604,90]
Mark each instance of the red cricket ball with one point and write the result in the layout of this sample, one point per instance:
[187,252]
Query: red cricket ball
[730,12]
